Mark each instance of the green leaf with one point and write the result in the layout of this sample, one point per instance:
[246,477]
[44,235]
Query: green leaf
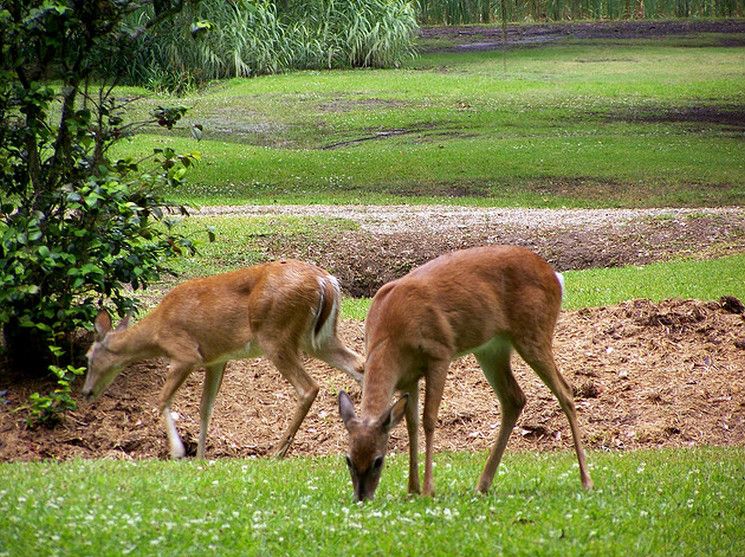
[91,269]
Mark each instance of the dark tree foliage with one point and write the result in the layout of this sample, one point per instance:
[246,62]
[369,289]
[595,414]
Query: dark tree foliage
[77,228]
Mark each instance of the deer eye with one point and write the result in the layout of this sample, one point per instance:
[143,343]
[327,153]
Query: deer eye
[377,463]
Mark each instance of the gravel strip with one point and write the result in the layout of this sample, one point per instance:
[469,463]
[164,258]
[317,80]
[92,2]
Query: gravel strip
[391,219]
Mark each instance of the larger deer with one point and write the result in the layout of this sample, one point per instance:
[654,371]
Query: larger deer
[277,309]
[484,301]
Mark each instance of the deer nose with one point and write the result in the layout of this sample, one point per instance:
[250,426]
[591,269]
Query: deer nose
[362,495]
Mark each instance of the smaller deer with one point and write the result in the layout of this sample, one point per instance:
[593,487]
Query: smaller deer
[486,301]
[277,309]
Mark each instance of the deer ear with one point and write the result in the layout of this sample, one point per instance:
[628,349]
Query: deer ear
[102,324]
[346,408]
[124,323]
[390,419]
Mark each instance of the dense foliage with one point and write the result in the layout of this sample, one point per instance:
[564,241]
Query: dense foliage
[77,229]
[453,12]
[250,37]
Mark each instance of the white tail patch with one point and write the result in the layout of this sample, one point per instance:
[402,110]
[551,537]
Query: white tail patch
[326,331]
[560,278]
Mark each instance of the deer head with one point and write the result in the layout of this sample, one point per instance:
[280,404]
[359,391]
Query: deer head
[103,363]
[368,443]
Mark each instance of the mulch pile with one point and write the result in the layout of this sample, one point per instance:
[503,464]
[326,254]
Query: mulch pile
[645,375]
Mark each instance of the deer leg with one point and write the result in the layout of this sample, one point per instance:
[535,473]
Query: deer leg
[177,374]
[339,356]
[291,369]
[495,362]
[212,381]
[412,427]
[540,357]
[434,387]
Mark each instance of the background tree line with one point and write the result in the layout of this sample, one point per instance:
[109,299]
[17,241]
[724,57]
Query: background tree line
[454,12]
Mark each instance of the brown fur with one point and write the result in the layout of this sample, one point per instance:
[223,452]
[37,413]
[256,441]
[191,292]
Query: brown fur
[276,309]
[485,301]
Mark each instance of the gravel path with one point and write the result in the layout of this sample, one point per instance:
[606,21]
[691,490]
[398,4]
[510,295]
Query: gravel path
[391,219]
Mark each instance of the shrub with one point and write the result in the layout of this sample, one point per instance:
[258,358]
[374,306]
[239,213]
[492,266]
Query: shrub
[77,229]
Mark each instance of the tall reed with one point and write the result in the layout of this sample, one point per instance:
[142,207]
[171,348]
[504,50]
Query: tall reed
[250,37]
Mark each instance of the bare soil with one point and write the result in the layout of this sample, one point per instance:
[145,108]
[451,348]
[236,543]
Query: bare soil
[392,240]
[645,375]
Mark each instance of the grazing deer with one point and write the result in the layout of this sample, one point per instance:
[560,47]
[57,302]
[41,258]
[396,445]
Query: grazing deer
[484,301]
[277,309]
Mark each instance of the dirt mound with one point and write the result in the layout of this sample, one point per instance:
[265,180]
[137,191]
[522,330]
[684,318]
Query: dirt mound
[644,374]
[365,259]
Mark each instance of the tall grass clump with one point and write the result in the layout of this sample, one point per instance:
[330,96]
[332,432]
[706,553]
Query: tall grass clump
[250,37]
[355,33]
[453,12]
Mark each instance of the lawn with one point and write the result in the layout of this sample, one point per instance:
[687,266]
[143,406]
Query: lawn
[663,502]
[579,124]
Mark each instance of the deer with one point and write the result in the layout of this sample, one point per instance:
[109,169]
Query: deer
[487,301]
[277,309]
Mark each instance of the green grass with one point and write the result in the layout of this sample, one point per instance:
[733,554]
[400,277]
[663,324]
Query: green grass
[703,280]
[237,240]
[697,279]
[569,124]
[663,502]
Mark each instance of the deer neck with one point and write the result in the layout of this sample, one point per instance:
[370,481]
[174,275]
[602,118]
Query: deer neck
[379,383]
[135,343]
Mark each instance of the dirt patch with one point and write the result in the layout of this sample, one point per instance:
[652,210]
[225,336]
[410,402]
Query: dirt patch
[477,37]
[347,105]
[393,240]
[730,117]
[376,136]
[644,374]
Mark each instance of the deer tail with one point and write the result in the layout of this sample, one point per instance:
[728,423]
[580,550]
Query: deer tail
[327,312]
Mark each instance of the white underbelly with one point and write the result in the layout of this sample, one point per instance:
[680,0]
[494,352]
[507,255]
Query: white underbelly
[248,351]
[498,342]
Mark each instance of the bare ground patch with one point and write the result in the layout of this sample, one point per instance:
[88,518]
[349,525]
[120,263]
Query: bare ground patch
[644,374]
[730,117]
[394,239]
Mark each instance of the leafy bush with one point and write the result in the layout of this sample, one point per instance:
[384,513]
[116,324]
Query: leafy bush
[47,409]
[77,230]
